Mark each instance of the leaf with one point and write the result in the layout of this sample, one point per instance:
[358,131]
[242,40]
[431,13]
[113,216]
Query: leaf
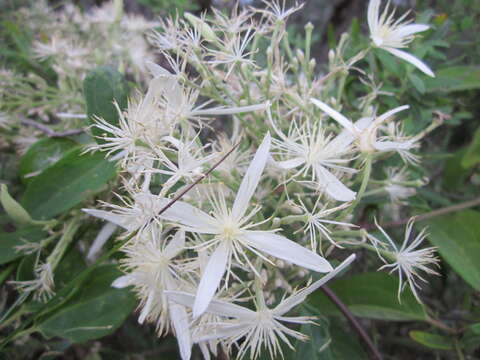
[96,310]
[433,341]
[455,78]
[67,183]
[41,155]
[327,341]
[371,295]
[102,87]
[9,240]
[417,83]
[16,212]
[472,154]
[457,237]
[475,328]
[454,173]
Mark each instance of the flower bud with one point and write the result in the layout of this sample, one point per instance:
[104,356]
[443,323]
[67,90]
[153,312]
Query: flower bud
[13,208]
[202,27]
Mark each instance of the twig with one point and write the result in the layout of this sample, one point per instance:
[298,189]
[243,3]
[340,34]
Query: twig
[429,215]
[49,132]
[353,322]
[203,176]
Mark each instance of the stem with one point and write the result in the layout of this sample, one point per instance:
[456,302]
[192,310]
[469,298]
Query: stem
[366,178]
[431,214]
[353,322]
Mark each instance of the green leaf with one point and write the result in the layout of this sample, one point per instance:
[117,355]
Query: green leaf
[455,78]
[102,87]
[41,155]
[9,240]
[457,237]
[417,83]
[16,212]
[67,183]
[327,341]
[371,295]
[472,154]
[475,328]
[96,310]
[433,341]
[454,173]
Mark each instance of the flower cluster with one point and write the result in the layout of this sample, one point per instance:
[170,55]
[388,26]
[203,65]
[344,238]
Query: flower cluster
[286,168]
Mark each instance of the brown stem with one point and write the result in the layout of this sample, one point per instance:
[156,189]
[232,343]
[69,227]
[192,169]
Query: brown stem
[203,176]
[429,215]
[353,322]
[49,132]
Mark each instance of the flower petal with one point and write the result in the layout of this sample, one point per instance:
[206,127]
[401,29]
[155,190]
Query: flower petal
[409,29]
[290,164]
[285,249]
[251,178]
[373,14]
[334,114]
[217,264]
[332,186]
[121,220]
[230,110]
[123,281]
[216,307]
[180,322]
[195,219]
[300,296]
[411,59]
[176,245]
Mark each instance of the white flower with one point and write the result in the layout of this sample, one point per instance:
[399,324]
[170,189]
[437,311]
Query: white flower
[390,34]
[190,161]
[232,234]
[365,132]
[252,330]
[136,214]
[315,221]
[152,271]
[407,260]
[310,151]
[394,187]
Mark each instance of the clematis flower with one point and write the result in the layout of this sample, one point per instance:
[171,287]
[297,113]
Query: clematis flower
[392,35]
[262,328]
[232,234]
[308,150]
[365,130]
[406,260]
[152,270]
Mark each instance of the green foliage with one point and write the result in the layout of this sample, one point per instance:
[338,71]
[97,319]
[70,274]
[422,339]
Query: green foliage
[74,178]
[93,312]
[433,341]
[457,237]
[371,295]
[10,240]
[103,87]
[42,154]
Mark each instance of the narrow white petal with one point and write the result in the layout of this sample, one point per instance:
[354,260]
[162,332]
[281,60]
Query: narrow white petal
[410,29]
[385,116]
[334,114]
[372,14]
[216,307]
[120,220]
[180,322]
[290,164]
[123,281]
[300,296]
[231,110]
[155,69]
[217,264]
[393,145]
[285,249]
[411,59]
[190,216]
[251,178]
[107,230]
[225,331]
[332,186]
[176,245]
